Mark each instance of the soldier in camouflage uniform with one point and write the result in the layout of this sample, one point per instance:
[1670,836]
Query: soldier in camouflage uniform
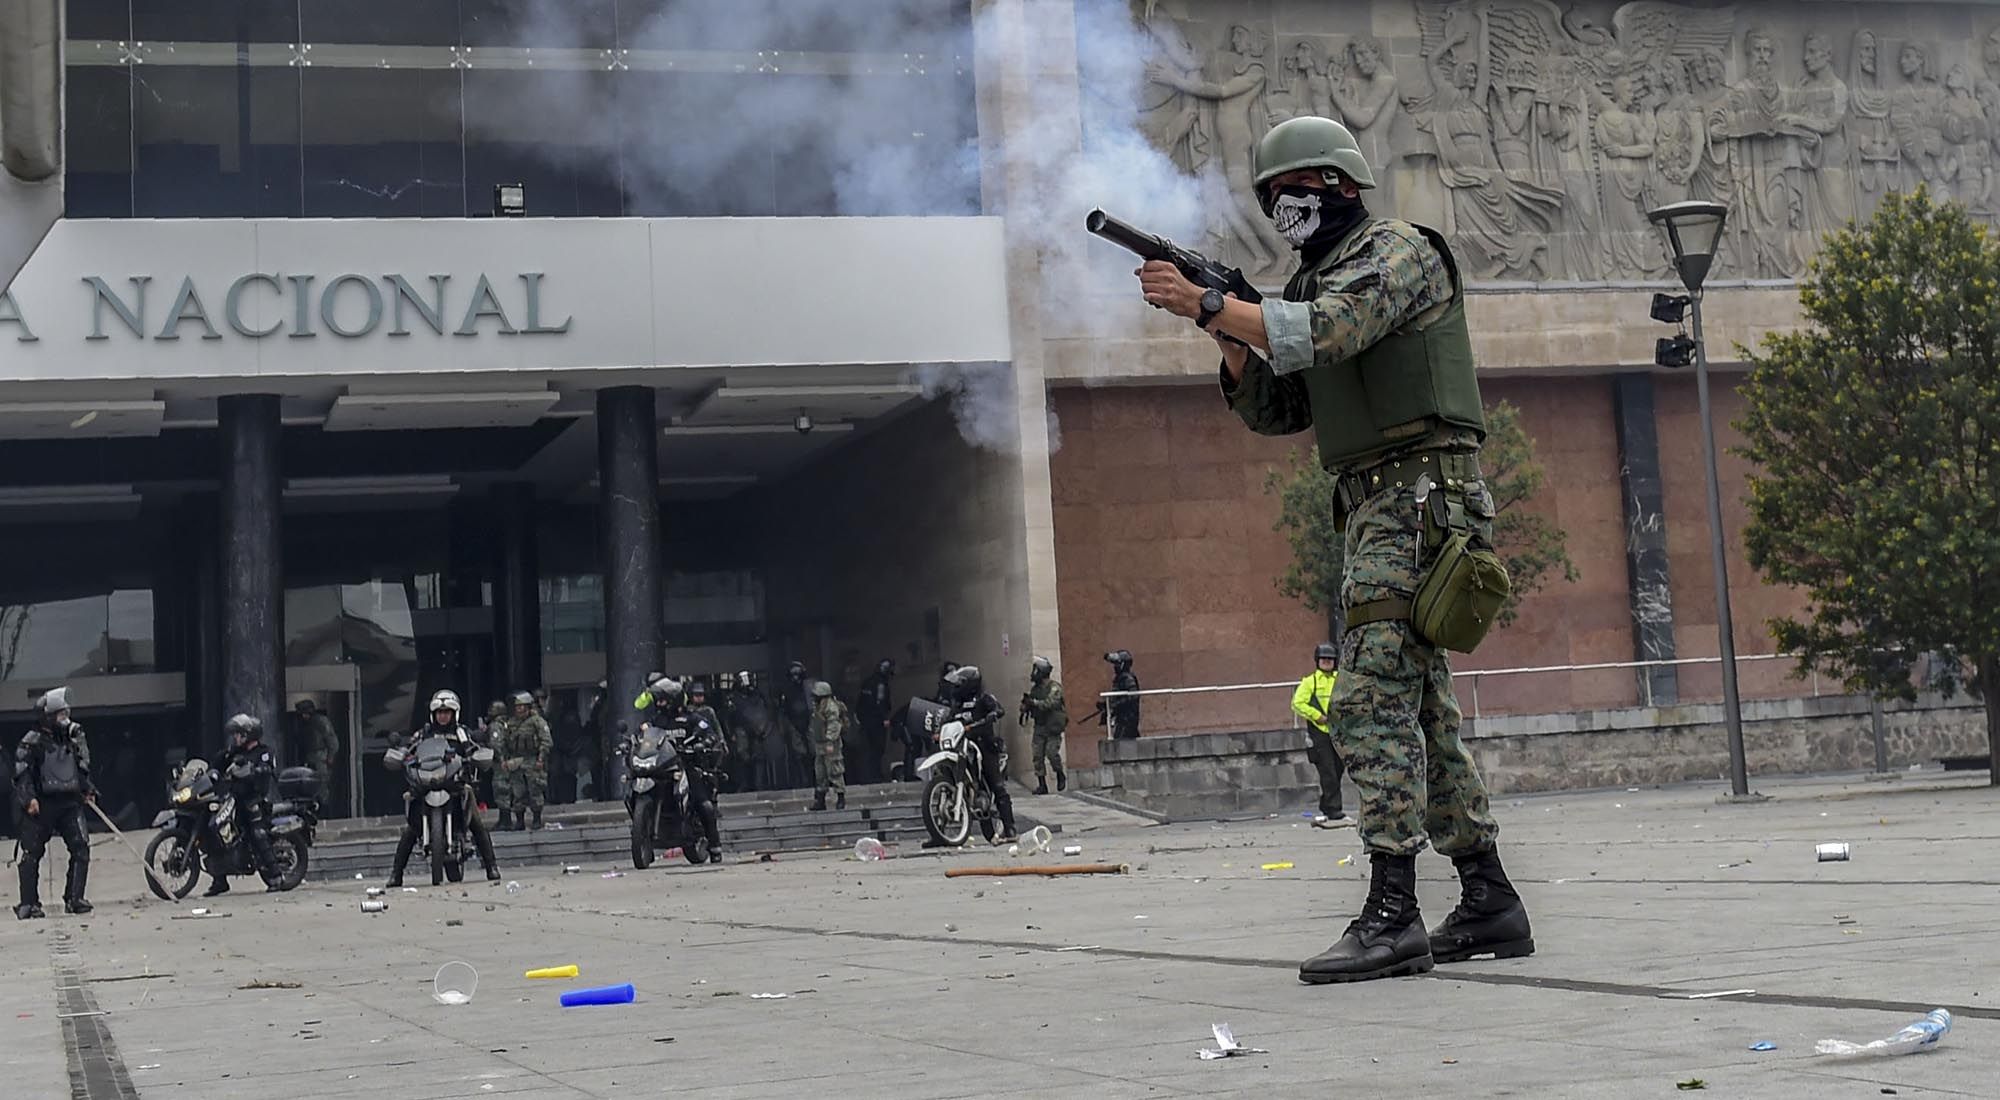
[829,758]
[1369,348]
[523,779]
[1043,705]
[322,745]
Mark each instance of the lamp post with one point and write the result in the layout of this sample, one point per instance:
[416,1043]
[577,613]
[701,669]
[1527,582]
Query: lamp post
[1692,229]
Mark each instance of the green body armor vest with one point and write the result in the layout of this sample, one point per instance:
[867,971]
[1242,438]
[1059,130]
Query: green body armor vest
[1406,386]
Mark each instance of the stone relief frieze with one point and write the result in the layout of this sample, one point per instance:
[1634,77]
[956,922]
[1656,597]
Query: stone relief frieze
[1536,136]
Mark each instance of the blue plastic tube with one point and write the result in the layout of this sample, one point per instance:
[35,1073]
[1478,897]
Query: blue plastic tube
[603,995]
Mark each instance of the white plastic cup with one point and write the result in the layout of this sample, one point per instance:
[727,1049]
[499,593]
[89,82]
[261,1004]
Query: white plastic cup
[1037,841]
[869,850]
[454,984]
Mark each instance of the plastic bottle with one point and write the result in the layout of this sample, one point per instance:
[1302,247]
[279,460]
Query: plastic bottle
[1919,1035]
[868,849]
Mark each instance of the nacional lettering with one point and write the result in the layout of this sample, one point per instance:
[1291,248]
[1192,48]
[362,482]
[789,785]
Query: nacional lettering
[347,306]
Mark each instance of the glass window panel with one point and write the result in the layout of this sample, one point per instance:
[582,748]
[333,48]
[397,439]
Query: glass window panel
[214,21]
[97,178]
[380,22]
[215,142]
[553,131]
[382,142]
[53,639]
[698,145]
[572,613]
[573,24]
[313,625]
[129,631]
[99,19]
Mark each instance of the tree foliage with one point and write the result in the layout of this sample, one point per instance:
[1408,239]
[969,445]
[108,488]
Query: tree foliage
[1876,430]
[1533,547]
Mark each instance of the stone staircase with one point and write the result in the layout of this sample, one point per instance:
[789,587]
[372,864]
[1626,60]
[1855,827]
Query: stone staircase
[599,833]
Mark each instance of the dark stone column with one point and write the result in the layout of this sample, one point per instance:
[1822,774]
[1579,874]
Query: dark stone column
[253,593]
[628,508]
[1645,536]
[199,590]
[517,597]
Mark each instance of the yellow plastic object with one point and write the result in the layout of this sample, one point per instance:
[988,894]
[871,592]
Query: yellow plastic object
[1277,867]
[554,972]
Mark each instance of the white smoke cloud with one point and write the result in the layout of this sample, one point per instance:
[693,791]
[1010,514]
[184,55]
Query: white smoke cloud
[889,141]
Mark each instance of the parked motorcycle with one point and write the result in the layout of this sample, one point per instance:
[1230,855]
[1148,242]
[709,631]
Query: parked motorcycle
[198,831]
[672,800]
[438,777]
[955,790]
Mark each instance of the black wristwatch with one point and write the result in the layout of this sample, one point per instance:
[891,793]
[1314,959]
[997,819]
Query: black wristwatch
[1211,304]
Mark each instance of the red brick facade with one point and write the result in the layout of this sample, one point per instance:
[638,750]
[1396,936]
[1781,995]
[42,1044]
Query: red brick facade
[1165,546]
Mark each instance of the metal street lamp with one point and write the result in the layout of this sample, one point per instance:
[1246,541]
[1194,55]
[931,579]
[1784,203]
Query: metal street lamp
[1692,229]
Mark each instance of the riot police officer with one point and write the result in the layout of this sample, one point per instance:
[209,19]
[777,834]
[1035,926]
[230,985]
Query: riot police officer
[795,708]
[444,723]
[52,783]
[250,773]
[981,714]
[697,739]
[1123,710]
[872,708]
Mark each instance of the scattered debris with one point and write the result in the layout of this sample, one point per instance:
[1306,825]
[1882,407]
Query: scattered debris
[1451,1061]
[602,995]
[409,889]
[664,1039]
[869,850]
[1834,852]
[998,977]
[1915,1036]
[1708,996]
[374,906]
[1691,1084]
[567,970]
[271,985]
[725,993]
[1343,861]
[1084,947]
[454,923]
[1277,866]
[1041,869]
[769,996]
[156,1065]
[1072,849]
[374,891]
[1226,1045]
[197,914]
[572,869]
[1763,1044]
[951,927]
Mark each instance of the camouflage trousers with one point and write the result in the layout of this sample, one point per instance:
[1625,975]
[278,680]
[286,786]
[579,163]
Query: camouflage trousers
[830,769]
[1048,750]
[1395,718]
[525,789]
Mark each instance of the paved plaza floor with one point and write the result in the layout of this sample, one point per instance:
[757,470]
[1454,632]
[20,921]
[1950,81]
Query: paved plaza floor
[901,982]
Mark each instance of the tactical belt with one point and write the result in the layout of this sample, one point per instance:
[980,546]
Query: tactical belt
[1451,472]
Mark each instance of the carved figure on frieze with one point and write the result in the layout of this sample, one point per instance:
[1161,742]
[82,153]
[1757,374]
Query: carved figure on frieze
[1625,140]
[1764,157]
[1989,53]
[1512,106]
[1680,133]
[1964,129]
[1819,110]
[1916,117]
[1171,118]
[1305,88]
[1564,156]
[1364,96]
[1234,84]
[1876,157]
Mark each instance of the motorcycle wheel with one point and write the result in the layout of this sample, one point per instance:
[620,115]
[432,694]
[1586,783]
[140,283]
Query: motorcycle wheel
[290,852]
[440,821]
[642,832]
[945,816]
[168,851]
[454,871]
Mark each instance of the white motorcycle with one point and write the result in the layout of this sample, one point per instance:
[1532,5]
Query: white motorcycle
[955,790]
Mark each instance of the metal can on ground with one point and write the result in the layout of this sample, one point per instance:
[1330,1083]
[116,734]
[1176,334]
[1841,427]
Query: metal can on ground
[1833,852]
[374,906]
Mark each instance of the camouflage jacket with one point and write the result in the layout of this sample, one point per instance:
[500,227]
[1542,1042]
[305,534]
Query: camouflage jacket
[322,744]
[527,741]
[1340,303]
[828,722]
[1044,705]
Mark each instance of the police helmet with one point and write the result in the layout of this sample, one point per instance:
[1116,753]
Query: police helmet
[1308,142]
[242,728]
[743,679]
[949,667]
[1119,658]
[967,681]
[822,690]
[305,706]
[796,670]
[53,701]
[446,700]
[1040,669]
[1325,652]
[886,666]
[666,691]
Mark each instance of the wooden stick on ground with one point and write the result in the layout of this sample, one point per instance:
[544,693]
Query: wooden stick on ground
[143,865]
[1046,869]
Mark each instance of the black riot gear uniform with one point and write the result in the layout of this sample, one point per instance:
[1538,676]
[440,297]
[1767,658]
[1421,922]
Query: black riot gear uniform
[412,824]
[248,770]
[872,708]
[698,740]
[981,714]
[51,783]
[1124,710]
[795,706]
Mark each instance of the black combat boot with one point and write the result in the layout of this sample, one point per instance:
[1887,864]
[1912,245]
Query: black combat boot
[1387,940]
[1041,785]
[404,846]
[840,801]
[29,910]
[819,800]
[1062,778]
[538,819]
[217,887]
[73,887]
[484,845]
[1489,919]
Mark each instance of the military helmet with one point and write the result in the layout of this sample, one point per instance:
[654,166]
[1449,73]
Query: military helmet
[1325,652]
[305,706]
[1309,142]
[822,689]
[1040,669]
[522,699]
[495,709]
[698,687]
[446,700]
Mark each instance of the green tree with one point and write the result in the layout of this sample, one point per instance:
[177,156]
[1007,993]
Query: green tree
[1876,432]
[1532,546]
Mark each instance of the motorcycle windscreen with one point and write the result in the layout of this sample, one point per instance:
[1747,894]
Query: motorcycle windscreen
[925,719]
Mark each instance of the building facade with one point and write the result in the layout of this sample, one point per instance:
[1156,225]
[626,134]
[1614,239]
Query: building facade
[798,349]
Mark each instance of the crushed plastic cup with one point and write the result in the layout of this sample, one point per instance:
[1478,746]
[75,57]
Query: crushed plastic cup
[602,995]
[375,891]
[1036,840]
[869,850]
[454,984]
